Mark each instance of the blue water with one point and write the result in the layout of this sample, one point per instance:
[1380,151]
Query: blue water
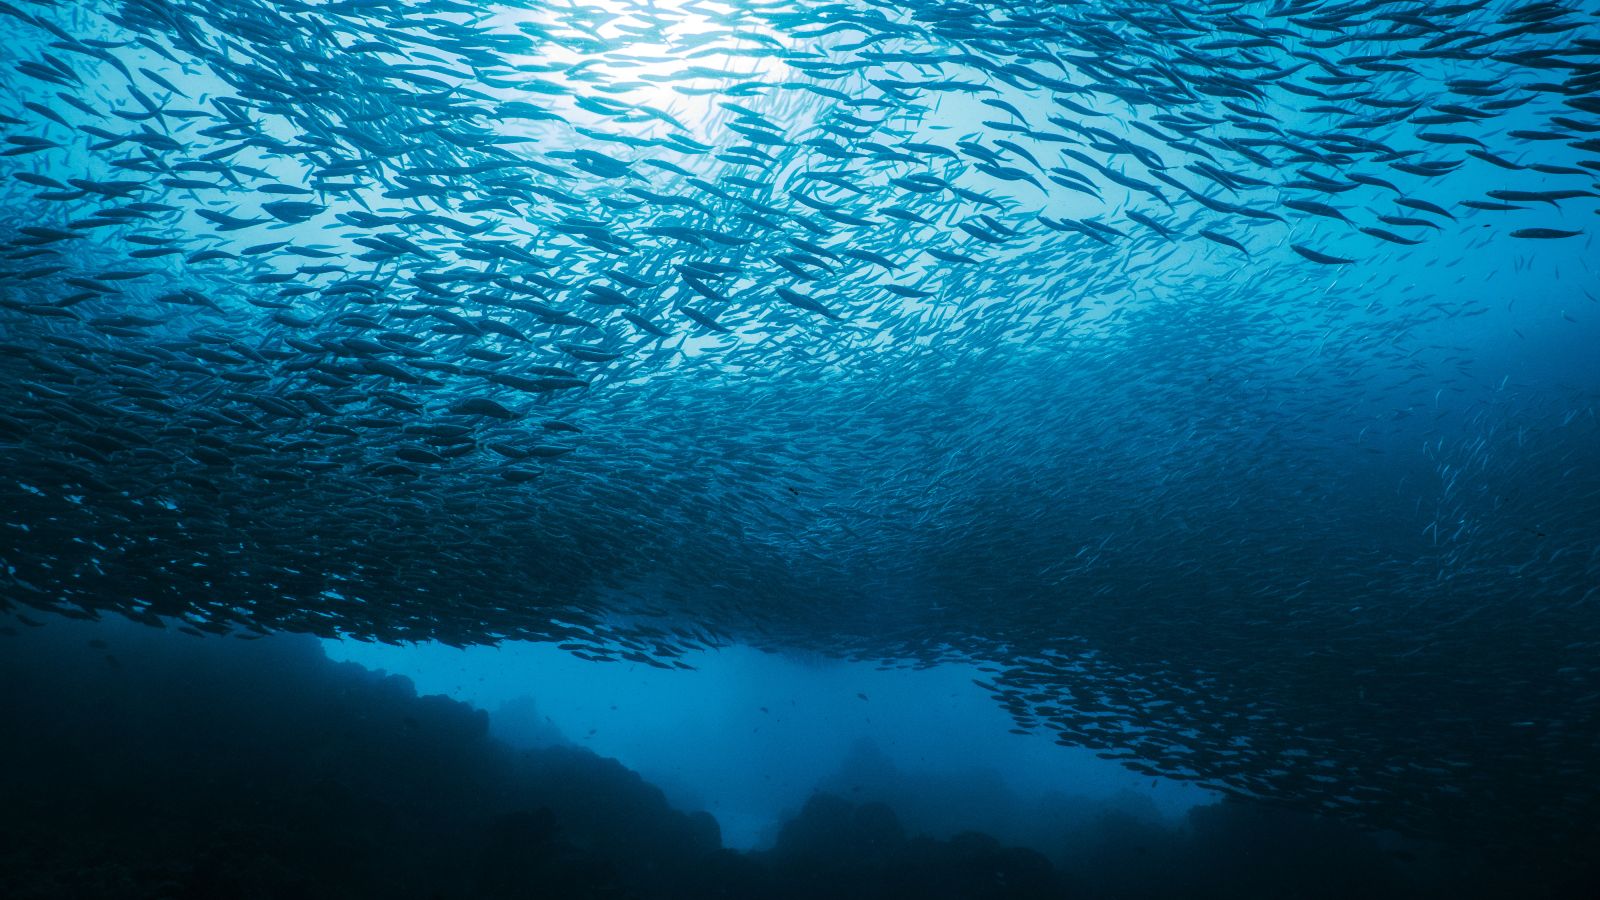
[748,736]
[1171,424]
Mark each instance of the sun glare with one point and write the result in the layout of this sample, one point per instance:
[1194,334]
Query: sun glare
[669,61]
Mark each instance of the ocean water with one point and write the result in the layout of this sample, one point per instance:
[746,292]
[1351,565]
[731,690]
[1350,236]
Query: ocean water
[770,449]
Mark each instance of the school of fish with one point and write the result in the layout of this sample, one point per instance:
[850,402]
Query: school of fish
[1108,343]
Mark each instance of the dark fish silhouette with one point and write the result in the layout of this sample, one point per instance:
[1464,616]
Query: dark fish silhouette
[879,340]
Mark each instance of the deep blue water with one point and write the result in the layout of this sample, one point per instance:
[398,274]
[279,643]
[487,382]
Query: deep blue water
[1158,437]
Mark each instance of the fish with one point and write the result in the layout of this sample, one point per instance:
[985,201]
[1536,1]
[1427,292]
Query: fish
[1319,257]
[300,304]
